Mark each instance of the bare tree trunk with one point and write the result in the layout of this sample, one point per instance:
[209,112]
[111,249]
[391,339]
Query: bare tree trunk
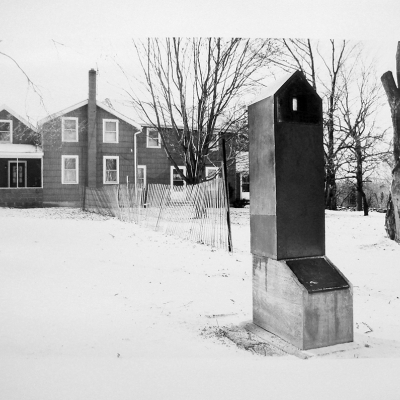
[365,204]
[330,199]
[336,65]
[395,208]
[393,95]
[361,200]
[360,193]
[390,223]
[330,189]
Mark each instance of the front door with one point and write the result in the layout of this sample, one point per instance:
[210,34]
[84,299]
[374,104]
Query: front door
[17,174]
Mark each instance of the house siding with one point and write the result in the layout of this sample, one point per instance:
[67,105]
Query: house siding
[158,166]
[124,149]
[58,194]
[54,192]
[155,160]
[22,197]
[22,134]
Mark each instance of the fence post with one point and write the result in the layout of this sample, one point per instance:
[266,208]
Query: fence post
[84,198]
[228,215]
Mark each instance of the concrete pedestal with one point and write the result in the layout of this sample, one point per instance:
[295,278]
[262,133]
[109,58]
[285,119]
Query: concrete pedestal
[308,302]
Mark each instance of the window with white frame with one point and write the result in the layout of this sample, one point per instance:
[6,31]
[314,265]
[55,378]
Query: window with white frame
[153,138]
[70,170]
[176,179]
[141,175]
[110,169]
[69,129]
[110,130]
[211,172]
[5,131]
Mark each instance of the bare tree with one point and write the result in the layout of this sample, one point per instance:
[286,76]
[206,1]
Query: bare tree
[26,133]
[322,63]
[31,84]
[393,95]
[365,141]
[194,95]
[299,54]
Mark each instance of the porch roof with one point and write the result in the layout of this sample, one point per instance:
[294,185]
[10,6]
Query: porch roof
[9,150]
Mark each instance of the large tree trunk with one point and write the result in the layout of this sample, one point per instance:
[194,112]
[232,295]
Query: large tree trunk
[330,185]
[393,210]
[393,95]
[330,190]
[360,189]
[362,203]
[365,203]
[359,203]
[390,222]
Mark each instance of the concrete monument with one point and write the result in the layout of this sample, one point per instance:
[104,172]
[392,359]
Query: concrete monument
[298,293]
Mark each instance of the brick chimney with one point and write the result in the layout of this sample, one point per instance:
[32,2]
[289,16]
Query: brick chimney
[92,136]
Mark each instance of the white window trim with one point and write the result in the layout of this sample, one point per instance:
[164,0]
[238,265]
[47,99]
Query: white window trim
[63,157]
[144,174]
[11,130]
[147,139]
[104,170]
[208,169]
[172,174]
[104,130]
[77,129]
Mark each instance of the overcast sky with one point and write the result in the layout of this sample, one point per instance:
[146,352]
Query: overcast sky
[57,42]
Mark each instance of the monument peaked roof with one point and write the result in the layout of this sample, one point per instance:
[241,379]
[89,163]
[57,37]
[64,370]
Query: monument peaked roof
[274,87]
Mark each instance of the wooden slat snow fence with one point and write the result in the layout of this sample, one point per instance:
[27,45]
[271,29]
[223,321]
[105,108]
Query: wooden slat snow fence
[194,212]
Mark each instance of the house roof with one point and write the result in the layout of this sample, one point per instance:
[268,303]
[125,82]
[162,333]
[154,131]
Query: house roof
[9,150]
[98,104]
[13,113]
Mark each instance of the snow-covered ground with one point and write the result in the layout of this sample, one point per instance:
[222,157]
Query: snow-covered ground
[94,308]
